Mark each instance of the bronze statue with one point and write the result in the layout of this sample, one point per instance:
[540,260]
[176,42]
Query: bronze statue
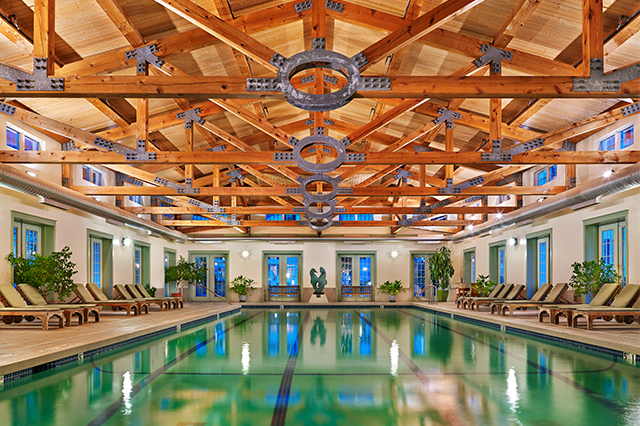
[318,282]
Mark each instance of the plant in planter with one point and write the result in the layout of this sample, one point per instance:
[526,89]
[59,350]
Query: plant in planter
[242,287]
[589,276]
[392,288]
[483,285]
[53,273]
[184,273]
[150,290]
[441,270]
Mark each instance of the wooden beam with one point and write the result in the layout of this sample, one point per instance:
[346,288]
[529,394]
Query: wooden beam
[16,37]
[523,10]
[106,109]
[592,33]
[121,20]
[44,32]
[225,87]
[448,146]
[372,158]
[416,29]
[292,223]
[281,191]
[221,30]
[620,36]
[289,210]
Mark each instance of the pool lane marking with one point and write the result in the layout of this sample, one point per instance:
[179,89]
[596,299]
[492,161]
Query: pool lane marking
[442,403]
[115,406]
[282,400]
[542,369]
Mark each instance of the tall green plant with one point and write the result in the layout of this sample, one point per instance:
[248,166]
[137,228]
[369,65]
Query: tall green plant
[185,271]
[53,273]
[589,276]
[441,268]
[483,285]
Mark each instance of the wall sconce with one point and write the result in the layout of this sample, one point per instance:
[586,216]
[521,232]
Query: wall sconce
[126,241]
[394,254]
[245,253]
[513,241]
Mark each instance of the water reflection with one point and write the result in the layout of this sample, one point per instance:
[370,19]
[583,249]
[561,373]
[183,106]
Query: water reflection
[127,387]
[246,358]
[318,330]
[394,353]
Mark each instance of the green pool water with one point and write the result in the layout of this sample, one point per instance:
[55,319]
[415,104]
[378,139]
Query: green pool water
[332,367]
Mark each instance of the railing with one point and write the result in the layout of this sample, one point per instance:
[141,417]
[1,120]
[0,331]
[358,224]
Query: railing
[429,296]
[356,290]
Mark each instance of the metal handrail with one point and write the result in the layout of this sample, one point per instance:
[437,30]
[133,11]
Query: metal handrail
[435,298]
[208,289]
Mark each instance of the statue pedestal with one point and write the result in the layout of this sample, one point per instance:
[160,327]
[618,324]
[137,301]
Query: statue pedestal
[318,300]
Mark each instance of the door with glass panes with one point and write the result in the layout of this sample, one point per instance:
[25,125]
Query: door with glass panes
[420,273]
[356,269]
[612,242]
[284,269]
[216,276]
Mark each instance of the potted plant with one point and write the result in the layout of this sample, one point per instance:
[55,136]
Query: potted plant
[589,276]
[48,274]
[483,285]
[392,288]
[242,287]
[441,270]
[185,272]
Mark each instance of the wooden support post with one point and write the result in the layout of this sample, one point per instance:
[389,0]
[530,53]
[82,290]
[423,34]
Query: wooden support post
[570,176]
[142,115]
[216,180]
[423,179]
[67,176]
[188,147]
[44,32]
[448,141]
[592,33]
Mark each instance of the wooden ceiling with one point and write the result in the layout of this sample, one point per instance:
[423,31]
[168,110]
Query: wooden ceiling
[426,47]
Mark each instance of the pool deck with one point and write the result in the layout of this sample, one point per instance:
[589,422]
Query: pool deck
[26,345]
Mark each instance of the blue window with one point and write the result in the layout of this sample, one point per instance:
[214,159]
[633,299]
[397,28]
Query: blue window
[503,198]
[96,261]
[365,334]
[292,271]
[219,336]
[15,240]
[291,217]
[419,274]
[13,138]
[274,334]
[546,175]
[274,217]
[346,271]
[136,199]
[356,217]
[542,262]
[32,243]
[553,172]
[441,217]
[541,177]
[346,334]
[201,262]
[198,217]
[365,271]
[419,338]
[92,175]
[626,138]
[347,217]
[280,217]
[607,246]
[31,144]
[137,267]
[624,255]
[220,276]
[608,144]
[501,265]
[292,333]
[273,263]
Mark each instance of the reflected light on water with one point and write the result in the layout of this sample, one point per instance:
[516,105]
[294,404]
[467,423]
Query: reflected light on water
[127,387]
[512,390]
[245,358]
[395,356]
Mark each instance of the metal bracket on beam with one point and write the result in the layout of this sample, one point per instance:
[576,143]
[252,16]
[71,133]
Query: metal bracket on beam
[308,79]
[420,148]
[113,147]
[7,109]
[424,208]
[235,175]
[70,146]
[516,177]
[181,189]
[330,79]
[310,122]
[482,198]
[302,6]
[599,82]
[498,155]
[218,148]
[334,5]
[126,178]
[356,158]
[631,109]
[38,81]
[215,208]
[144,55]
[572,183]
[375,84]
[457,189]
[283,157]
[402,175]
[567,146]
[140,154]
[329,122]
[447,116]
[318,43]
[189,117]
[494,55]
[319,131]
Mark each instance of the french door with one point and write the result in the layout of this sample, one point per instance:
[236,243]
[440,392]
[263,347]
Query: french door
[284,269]
[215,279]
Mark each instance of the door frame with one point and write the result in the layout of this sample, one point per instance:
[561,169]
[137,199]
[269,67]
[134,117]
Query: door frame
[265,270]
[210,273]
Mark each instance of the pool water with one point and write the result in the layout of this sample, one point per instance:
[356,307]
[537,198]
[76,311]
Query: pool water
[332,367]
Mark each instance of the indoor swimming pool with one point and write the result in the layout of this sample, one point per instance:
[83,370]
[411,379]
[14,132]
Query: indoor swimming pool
[332,367]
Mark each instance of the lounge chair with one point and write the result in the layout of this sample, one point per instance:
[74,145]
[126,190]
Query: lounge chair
[513,294]
[16,309]
[128,305]
[603,298]
[95,291]
[553,298]
[460,302]
[175,302]
[622,308]
[126,295]
[538,296]
[501,295]
[34,297]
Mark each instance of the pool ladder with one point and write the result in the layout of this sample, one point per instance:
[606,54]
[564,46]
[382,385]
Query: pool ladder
[430,297]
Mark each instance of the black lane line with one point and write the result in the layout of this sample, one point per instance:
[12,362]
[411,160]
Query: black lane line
[542,369]
[282,401]
[115,406]
[444,407]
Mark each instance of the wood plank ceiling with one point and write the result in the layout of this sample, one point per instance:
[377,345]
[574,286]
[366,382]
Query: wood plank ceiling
[426,47]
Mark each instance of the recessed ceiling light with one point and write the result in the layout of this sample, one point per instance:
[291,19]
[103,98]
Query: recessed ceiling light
[32,174]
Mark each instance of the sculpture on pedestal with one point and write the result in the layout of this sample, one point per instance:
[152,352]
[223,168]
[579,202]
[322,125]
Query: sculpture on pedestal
[318,282]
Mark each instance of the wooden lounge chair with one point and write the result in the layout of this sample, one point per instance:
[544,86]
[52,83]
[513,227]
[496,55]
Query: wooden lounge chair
[494,293]
[501,295]
[128,305]
[513,294]
[622,308]
[95,291]
[15,309]
[127,295]
[34,297]
[175,302]
[552,298]
[603,298]
[538,296]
